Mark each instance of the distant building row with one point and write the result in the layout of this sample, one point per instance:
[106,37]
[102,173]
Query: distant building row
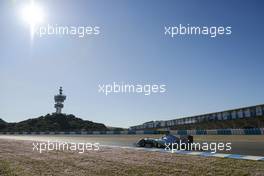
[246,112]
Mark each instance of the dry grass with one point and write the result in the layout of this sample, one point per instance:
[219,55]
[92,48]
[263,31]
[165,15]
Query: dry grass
[17,158]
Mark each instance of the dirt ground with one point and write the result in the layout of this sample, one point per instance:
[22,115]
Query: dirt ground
[18,158]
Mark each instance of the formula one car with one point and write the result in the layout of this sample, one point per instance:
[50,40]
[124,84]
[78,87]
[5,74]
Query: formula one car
[164,141]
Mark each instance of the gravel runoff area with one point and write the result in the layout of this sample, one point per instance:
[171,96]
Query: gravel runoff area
[18,158]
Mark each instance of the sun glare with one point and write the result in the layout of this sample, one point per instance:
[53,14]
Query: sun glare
[33,15]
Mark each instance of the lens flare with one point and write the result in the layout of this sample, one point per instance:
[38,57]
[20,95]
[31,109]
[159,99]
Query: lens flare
[33,15]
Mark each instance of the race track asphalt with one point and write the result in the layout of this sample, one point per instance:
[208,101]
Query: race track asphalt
[243,145]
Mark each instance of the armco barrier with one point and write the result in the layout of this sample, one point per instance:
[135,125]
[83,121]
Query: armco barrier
[123,132]
[139,132]
[251,131]
[173,132]
[211,132]
[131,132]
[191,132]
[201,132]
[182,132]
[96,132]
[237,131]
[224,131]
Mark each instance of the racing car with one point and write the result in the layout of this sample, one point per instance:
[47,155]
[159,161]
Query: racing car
[164,141]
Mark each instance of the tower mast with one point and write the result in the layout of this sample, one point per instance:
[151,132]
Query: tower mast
[59,99]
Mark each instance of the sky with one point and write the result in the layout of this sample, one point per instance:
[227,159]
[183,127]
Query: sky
[201,74]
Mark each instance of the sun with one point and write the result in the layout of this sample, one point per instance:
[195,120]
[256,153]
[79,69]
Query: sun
[33,15]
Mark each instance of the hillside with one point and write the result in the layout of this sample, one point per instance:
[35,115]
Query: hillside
[2,124]
[2,121]
[53,122]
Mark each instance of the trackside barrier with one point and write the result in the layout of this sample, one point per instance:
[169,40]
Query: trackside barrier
[224,131]
[149,132]
[262,130]
[211,132]
[251,131]
[123,132]
[182,132]
[191,132]
[201,132]
[238,131]
[110,132]
[96,132]
[131,132]
[173,132]
[139,132]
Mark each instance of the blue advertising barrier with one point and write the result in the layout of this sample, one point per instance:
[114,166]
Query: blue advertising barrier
[252,131]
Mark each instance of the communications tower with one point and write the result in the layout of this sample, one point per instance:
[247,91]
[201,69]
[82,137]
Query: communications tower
[59,99]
